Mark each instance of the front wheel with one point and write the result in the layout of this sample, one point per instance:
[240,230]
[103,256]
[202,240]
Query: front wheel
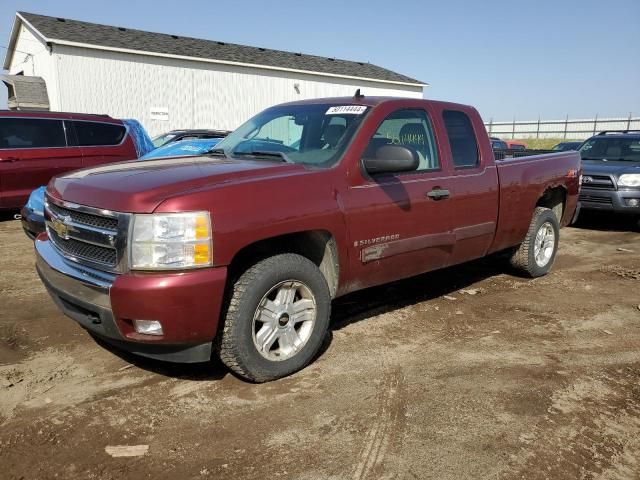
[276,320]
[536,254]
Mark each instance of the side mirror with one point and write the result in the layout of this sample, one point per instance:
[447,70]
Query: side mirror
[391,159]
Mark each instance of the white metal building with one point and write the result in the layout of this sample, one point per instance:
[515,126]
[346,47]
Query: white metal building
[169,82]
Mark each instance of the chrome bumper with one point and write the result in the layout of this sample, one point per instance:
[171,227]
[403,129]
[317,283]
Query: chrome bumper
[82,293]
[83,283]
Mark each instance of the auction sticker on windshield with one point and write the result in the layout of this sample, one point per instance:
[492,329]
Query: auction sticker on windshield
[348,109]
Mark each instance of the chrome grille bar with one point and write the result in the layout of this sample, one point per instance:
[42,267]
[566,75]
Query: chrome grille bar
[89,236]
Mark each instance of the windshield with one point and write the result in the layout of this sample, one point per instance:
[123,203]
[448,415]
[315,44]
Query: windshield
[163,139]
[610,149]
[309,134]
[183,148]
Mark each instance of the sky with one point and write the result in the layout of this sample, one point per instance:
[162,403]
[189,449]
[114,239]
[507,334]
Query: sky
[510,59]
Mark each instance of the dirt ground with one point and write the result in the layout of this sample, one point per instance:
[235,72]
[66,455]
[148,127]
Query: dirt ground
[461,374]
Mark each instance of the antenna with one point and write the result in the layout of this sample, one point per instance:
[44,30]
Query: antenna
[358,95]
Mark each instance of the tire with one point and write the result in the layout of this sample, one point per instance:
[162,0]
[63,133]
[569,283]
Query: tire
[297,292]
[524,258]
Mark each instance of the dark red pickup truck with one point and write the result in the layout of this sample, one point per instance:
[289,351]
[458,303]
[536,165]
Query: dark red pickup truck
[240,252]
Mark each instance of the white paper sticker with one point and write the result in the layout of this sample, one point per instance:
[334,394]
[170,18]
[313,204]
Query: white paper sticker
[347,109]
[159,113]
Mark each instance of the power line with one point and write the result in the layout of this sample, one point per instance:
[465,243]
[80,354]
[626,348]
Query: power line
[19,51]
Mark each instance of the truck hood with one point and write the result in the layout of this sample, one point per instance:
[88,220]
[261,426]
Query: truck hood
[140,186]
[598,167]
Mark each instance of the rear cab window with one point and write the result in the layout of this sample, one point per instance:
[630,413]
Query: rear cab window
[24,133]
[96,134]
[462,139]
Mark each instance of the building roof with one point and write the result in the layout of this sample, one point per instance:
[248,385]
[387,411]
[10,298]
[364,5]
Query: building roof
[26,92]
[85,34]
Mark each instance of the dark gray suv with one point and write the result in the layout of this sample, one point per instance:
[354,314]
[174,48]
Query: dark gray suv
[611,172]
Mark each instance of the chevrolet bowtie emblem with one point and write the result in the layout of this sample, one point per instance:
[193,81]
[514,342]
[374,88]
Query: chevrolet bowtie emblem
[60,227]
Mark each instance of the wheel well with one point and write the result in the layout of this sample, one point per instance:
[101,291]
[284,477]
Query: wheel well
[554,198]
[319,246]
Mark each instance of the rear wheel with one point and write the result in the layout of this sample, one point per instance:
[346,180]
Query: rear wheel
[536,254]
[277,318]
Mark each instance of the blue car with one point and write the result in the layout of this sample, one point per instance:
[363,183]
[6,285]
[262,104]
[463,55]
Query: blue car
[33,211]
[182,148]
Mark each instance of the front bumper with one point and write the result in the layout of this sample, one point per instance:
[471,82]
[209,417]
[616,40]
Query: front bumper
[608,200]
[32,222]
[187,304]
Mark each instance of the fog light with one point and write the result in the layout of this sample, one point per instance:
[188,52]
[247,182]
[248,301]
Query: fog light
[147,327]
[633,202]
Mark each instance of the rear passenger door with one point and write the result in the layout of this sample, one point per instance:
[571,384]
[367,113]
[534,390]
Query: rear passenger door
[102,142]
[32,150]
[474,199]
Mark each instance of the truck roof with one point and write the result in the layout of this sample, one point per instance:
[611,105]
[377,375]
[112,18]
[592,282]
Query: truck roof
[374,101]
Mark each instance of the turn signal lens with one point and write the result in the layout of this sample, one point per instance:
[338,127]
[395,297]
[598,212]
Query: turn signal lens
[202,254]
[203,226]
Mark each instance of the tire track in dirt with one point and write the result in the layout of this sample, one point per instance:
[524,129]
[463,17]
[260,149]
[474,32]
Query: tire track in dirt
[387,427]
[591,430]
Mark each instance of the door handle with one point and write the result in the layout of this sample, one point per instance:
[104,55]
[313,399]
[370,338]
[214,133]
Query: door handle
[438,194]
[9,159]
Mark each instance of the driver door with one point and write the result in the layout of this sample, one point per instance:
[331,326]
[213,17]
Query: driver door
[396,228]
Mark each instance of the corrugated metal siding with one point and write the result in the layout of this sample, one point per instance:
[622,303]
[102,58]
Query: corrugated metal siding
[196,95]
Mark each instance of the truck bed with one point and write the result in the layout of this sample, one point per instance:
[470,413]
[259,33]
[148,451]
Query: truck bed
[521,183]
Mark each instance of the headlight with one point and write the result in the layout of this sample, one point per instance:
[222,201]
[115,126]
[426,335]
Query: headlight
[171,241]
[629,180]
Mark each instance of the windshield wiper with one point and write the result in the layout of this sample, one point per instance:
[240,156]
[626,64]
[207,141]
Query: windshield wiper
[217,152]
[264,153]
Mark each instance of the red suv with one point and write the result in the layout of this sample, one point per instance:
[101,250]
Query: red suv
[35,146]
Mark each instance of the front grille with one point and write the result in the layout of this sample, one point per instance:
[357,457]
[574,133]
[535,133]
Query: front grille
[87,235]
[595,199]
[602,182]
[84,251]
[106,223]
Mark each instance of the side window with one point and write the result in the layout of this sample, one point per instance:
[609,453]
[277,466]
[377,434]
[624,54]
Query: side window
[462,139]
[91,134]
[412,129]
[31,133]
